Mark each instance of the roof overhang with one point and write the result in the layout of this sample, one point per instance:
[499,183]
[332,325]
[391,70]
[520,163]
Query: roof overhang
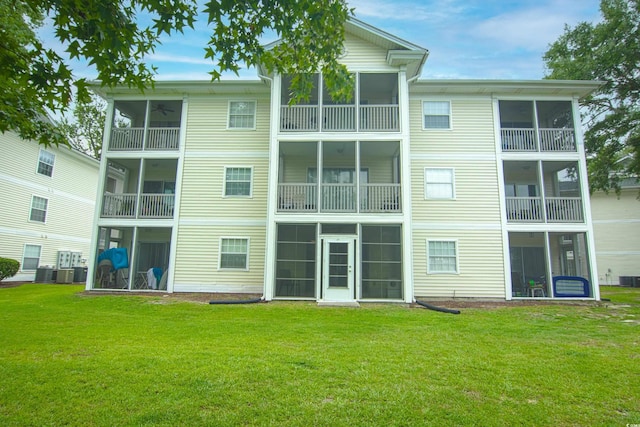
[183,87]
[564,88]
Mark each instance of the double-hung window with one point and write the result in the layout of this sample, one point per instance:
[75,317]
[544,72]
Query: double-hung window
[242,115]
[45,162]
[38,209]
[31,257]
[234,253]
[437,114]
[442,256]
[439,183]
[237,181]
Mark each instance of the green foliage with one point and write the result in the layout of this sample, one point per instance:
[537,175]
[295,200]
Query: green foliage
[8,268]
[606,51]
[37,80]
[85,129]
[89,359]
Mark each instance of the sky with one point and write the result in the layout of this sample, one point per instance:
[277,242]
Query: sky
[466,39]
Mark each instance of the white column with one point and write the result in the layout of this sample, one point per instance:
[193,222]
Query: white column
[405,174]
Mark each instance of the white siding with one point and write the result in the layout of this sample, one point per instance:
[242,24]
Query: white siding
[616,227]
[71,193]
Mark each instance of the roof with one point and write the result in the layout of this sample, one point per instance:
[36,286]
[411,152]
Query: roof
[573,88]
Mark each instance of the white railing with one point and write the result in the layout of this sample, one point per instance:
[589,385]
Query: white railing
[132,139]
[163,139]
[564,209]
[338,198]
[339,118]
[119,205]
[126,205]
[379,118]
[524,209]
[156,205]
[299,118]
[126,139]
[524,139]
[380,198]
[297,197]
[557,140]
[520,139]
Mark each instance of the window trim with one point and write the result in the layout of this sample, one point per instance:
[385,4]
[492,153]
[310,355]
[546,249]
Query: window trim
[450,115]
[224,183]
[255,114]
[40,161]
[452,183]
[24,248]
[457,256]
[246,267]
[46,209]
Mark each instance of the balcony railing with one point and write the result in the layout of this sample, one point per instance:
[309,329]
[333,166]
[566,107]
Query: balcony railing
[374,198]
[132,206]
[524,209]
[132,139]
[342,118]
[526,139]
[564,209]
[558,209]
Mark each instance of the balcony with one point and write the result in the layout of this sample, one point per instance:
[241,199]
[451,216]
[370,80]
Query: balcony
[339,189]
[538,192]
[146,126]
[373,108]
[557,209]
[537,126]
[339,198]
[134,206]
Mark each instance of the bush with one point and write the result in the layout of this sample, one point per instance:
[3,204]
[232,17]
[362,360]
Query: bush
[8,268]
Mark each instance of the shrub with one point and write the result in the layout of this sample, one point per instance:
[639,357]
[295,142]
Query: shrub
[8,268]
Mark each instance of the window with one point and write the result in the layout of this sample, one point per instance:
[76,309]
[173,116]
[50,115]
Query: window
[437,114]
[439,183]
[242,115]
[237,181]
[31,257]
[45,163]
[442,256]
[234,253]
[38,209]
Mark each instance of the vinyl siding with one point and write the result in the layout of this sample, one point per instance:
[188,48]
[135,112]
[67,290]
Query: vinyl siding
[198,257]
[480,263]
[616,227]
[71,193]
[361,55]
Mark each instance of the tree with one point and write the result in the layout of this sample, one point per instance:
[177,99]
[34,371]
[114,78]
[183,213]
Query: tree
[84,131]
[36,80]
[608,51]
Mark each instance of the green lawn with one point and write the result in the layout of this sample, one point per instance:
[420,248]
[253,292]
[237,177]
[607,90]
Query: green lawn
[70,359]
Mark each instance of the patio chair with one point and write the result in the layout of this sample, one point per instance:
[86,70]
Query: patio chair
[105,273]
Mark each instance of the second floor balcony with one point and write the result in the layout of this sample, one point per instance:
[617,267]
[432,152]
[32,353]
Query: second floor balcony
[132,205]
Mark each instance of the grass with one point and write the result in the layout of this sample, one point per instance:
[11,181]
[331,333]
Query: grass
[71,359]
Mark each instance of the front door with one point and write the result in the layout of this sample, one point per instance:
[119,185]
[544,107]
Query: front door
[338,269]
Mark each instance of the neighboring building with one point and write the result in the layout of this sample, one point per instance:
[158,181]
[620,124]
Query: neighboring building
[616,224]
[464,188]
[48,200]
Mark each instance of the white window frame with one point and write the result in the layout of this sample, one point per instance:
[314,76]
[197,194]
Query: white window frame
[224,185]
[46,209]
[24,250]
[449,115]
[45,161]
[452,183]
[220,253]
[229,115]
[456,256]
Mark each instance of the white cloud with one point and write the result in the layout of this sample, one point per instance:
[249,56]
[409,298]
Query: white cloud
[178,59]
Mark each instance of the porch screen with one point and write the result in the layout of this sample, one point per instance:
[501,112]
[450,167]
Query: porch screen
[382,262]
[296,261]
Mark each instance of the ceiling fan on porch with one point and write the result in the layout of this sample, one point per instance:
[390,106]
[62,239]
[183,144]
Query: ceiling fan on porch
[161,108]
